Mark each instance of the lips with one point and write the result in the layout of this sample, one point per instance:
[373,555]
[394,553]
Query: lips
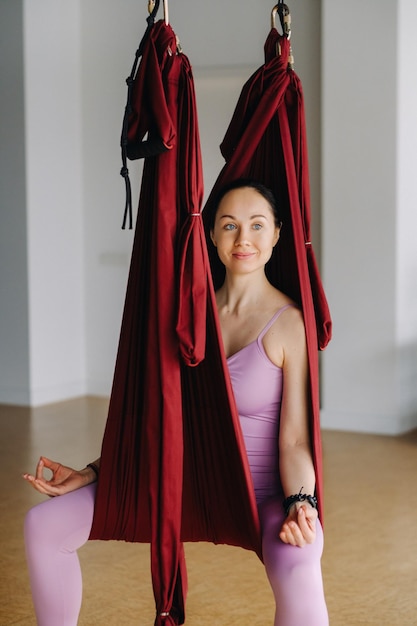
[243,256]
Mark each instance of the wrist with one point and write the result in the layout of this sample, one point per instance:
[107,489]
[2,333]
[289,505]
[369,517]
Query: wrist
[91,471]
[298,500]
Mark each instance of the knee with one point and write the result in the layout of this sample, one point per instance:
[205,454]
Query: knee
[294,565]
[293,568]
[283,559]
[34,526]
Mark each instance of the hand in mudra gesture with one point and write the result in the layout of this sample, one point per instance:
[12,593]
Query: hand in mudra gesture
[63,480]
[299,528]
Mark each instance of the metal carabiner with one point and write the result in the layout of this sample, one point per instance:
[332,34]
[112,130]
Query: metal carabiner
[151,6]
[285,19]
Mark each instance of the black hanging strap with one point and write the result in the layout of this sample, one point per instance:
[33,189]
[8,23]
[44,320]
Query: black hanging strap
[149,148]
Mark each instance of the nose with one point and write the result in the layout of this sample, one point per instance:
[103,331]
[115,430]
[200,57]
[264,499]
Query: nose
[242,237]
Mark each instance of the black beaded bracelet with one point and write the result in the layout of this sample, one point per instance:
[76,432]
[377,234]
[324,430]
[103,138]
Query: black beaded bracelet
[94,468]
[299,497]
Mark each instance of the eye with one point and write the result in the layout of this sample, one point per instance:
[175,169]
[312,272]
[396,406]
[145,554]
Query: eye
[257,226]
[229,227]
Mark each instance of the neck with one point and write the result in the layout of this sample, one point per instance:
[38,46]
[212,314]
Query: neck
[240,292]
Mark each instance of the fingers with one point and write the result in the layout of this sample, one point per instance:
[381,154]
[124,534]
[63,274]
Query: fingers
[307,517]
[291,534]
[41,485]
[52,466]
[39,469]
[38,474]
[301,531]
[38,481]
[34,482]
[43,463]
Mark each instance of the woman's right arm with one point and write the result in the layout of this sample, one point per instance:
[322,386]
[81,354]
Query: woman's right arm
[63,480]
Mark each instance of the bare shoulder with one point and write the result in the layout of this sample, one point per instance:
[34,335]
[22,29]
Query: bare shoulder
[286,336]
[294,343]
[292,317]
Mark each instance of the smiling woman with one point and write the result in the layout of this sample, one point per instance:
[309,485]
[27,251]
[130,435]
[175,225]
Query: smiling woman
[264,339]
[246,227]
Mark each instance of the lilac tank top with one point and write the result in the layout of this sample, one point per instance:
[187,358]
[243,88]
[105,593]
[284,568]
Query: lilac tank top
[257,386]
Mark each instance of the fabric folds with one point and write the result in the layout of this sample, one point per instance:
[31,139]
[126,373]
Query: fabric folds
[172,463]
[266,141]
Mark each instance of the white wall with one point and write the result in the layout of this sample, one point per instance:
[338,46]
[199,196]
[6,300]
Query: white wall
[107,52]
[65,284]
[367,256]
[54,164]
[14,332]
[406,202]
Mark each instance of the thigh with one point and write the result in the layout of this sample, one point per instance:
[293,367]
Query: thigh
[64,521]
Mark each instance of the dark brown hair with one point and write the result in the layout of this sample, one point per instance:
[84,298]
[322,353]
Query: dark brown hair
[241,183]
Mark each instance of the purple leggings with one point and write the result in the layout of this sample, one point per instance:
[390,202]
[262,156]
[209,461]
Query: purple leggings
[56,528]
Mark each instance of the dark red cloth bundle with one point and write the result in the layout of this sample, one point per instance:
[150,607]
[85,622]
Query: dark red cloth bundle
[173,466]
[266,141]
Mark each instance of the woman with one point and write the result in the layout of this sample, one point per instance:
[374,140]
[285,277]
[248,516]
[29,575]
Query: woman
[264,340]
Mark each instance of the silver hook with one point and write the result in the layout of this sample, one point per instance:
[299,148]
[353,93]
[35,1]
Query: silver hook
[166,12]
[151,6]
[273,16]
[285,19]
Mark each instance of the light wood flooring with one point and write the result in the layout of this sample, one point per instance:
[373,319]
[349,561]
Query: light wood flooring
[369,563]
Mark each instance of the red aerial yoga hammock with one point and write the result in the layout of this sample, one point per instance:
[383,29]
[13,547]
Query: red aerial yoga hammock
[173,466]
[266,141]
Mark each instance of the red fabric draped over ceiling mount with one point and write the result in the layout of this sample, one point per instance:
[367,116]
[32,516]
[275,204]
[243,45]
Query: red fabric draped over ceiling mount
[266,141]
[173,465]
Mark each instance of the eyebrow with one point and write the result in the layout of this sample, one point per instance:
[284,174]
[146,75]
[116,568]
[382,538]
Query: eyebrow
[252,217]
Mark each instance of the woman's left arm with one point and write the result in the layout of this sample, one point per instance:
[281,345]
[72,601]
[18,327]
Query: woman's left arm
[295,456]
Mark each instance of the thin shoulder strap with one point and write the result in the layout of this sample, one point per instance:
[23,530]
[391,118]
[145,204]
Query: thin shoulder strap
[272,320]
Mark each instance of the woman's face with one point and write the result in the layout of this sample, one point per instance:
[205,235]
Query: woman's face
[244,230]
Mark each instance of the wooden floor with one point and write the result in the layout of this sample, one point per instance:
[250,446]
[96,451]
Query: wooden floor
[369,564]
